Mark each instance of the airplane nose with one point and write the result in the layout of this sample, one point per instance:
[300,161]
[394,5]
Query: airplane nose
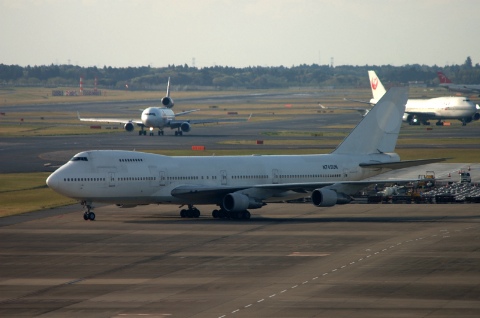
[52,181]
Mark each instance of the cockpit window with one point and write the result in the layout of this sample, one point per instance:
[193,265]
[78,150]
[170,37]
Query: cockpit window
[150,114]
[79,159]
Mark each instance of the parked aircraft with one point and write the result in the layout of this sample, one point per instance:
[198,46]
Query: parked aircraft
[463,88]
[160,117]
[238,183]
[420,111]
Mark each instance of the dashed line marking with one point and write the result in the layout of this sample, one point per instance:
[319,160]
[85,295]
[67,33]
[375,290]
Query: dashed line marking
[444,235]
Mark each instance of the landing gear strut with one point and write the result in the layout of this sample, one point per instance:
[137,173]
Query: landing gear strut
[88,215]
[191,212]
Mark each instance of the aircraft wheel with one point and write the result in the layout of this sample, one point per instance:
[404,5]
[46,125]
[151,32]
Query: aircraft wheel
[91,216]
[85,216]
[215,214]
[183,213]
[196,213]
[246,215]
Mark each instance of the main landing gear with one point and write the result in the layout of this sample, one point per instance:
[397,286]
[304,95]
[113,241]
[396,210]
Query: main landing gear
[223,214]
[88,215]
[191,212]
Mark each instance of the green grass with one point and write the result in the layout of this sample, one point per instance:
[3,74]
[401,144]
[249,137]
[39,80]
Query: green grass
[27,192]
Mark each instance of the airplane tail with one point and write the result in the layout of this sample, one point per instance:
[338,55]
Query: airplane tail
[167,101]
[443,78]
[378,131]
[377,87]
[168,87]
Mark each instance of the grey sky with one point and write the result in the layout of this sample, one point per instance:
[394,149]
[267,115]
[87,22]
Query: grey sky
[238,33]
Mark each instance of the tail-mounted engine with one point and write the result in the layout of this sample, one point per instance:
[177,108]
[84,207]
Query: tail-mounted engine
[167,102]
[327,197]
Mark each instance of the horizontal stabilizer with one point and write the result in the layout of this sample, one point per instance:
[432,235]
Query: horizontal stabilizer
[402,164]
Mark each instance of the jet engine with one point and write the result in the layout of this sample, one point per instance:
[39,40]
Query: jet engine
[236,202]
[327,197]
[129,126]
[185,127]
[167,102]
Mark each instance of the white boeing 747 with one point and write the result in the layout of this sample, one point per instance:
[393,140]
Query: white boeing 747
[160,117]
[238,183]
[420,111]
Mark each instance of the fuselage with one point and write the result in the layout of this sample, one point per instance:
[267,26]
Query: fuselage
[125,177]
[157,117]
[450,107]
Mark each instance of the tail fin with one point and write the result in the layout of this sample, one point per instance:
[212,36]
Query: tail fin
[443,78]
[167,101]
[168,87]
[377,88]
[378,131]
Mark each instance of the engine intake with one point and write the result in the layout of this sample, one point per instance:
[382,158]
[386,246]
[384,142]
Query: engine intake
[129,126]
[167,102]
[185,127]
[327,197]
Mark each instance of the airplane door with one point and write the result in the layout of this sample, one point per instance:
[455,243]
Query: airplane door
[223,174]
[162,177]
[274,175]
[111,179]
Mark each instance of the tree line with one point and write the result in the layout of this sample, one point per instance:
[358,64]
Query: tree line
[224,77]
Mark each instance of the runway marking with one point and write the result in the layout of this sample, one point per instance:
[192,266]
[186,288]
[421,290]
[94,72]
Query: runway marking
[353,262]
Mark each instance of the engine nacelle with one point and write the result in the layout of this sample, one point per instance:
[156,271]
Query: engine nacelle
[236,202]
[129,127]
[167,102]
[327,197]
[185,127]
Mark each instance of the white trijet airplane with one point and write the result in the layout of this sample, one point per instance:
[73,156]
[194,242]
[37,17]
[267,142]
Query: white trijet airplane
[238,183]
[422,110]
[160,117]
[463,88]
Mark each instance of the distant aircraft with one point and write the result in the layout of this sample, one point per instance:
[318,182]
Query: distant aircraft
[160,117]
[463,88]
[420,111]
[238,183]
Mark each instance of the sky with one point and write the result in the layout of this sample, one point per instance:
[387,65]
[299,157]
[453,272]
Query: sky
[238,33]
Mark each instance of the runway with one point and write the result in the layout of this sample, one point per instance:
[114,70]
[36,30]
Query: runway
[289,260]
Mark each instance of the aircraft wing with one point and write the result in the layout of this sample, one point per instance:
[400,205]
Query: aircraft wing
[362,110]
[200,193]
[178,123]
[111,120]
[209,194]
[186,112]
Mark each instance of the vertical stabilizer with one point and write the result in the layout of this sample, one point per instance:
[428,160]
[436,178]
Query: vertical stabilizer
[443,78]
[378,131]
[377,87]
[168,87]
